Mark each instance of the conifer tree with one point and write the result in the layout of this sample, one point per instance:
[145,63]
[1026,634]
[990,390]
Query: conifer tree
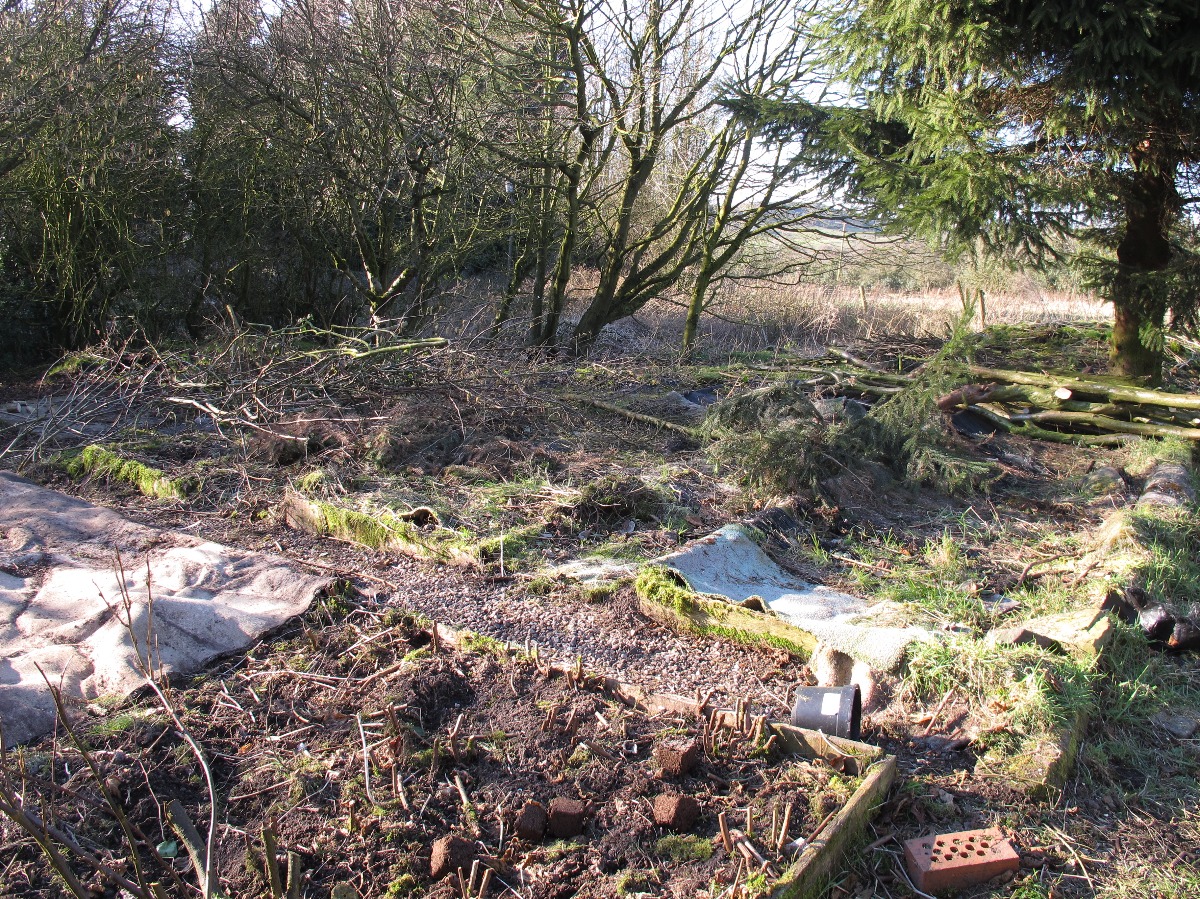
[1007,125]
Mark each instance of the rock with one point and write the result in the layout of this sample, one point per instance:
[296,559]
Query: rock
[566,817]
[1181,727]
[450,853]
[1103,481]
[676,760]
[1082,633]
[676,812]
[1018,635]
[531,823]
[343,891]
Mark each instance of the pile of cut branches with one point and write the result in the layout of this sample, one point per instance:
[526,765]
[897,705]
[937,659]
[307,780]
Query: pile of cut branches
[1060,408]
[1075,410]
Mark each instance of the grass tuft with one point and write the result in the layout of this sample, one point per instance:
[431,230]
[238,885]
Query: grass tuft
[1028,692]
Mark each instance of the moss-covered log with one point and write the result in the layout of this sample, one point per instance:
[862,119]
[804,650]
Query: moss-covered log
[1113,391]
[98,462]
[662,598]
[382,530]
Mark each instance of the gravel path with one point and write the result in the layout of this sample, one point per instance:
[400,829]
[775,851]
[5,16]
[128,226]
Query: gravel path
[612,637]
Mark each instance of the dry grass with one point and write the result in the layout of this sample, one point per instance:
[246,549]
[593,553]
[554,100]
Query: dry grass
[761,315]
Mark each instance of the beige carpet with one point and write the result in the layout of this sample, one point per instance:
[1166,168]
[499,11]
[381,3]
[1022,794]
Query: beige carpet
[60,595]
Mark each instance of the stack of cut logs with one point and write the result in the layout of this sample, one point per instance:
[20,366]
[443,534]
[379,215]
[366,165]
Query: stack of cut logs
[1075,410]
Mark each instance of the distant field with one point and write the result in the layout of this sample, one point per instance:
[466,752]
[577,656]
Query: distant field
[757,315]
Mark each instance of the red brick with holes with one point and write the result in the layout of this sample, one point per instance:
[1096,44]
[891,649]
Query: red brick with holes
[953,861]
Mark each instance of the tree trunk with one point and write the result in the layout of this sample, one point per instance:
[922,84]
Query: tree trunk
[606,304]
[1129,356]
[691,327]
[1150,207]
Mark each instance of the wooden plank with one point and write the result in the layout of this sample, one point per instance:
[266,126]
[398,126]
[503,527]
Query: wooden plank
[742,625]
[809,877]
[813,744]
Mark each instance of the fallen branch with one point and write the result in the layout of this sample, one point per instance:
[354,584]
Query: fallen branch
[1113,392]
[639,417]
[1105,423]
[352,353]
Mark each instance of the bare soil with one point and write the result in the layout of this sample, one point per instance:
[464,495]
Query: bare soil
[501,443]
[460,741]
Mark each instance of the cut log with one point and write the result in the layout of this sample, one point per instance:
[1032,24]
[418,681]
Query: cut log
[1111,391]
[1106,423]
[1169,484]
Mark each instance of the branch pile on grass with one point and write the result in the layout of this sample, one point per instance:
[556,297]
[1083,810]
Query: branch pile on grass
[767,435]
[1058,408]
[1075,410]
[279,388]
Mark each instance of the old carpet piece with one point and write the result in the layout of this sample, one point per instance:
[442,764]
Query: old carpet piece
[59,589]
[729,564]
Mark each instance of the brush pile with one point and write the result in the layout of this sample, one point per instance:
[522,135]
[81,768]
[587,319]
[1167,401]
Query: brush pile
[1061,408]
[1074,410]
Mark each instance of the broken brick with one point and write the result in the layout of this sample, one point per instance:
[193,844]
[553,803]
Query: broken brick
[955,861]
[676,760]
[531,823]
[676,812]
[450,853]
[566,817]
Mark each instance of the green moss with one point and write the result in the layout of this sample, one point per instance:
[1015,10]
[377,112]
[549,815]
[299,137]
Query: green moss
[74,363]
[736,635]
[415,655]
[96,461]
[387,530]
[117,724]
[377,532]
[542,585]
[715,618]
[512,547]
[658,585]
[599,593]
[580,758]
[473,642]
[309,482]
[685,848]
[404,885]
[631,882]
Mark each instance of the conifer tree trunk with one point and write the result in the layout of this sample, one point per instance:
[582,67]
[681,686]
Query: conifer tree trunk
[1144,247]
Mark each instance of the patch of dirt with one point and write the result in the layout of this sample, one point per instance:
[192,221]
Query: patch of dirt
[461,742]
[496,453]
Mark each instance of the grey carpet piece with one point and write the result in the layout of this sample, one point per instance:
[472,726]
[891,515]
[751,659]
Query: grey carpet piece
[729,564]
[60,601]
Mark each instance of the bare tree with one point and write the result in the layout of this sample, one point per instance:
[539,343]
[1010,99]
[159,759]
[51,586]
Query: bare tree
[639,148]
[366,97]
[88,172]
